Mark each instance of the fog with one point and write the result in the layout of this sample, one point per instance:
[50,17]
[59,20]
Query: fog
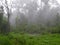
[34,11]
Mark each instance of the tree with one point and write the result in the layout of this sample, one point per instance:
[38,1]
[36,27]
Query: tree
[32,11]
[3,22]
[1,16]
[8,14]
[57,19]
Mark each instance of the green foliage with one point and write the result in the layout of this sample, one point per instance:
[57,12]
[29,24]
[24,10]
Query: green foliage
[28,39]
[55,29]
[4,26]
[4,40]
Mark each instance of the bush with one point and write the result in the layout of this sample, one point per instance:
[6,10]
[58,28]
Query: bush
[28,39]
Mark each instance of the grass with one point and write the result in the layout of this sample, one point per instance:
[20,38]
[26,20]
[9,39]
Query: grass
[27,39]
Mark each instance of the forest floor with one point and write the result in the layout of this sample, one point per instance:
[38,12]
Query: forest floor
[29,39]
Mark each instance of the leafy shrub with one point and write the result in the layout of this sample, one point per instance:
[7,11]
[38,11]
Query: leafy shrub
[28,39]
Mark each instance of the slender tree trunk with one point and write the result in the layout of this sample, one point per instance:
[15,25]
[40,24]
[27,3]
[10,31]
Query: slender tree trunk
[8,23]
[8,14]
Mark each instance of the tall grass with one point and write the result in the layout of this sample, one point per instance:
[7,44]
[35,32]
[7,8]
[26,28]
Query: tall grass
[27,39]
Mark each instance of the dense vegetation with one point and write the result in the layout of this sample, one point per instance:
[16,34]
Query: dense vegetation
[27,39]
[26,32]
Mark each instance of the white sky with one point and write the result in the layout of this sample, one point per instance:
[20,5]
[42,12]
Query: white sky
[39,3]
[58,1]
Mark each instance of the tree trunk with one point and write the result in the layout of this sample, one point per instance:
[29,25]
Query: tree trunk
[8,14]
